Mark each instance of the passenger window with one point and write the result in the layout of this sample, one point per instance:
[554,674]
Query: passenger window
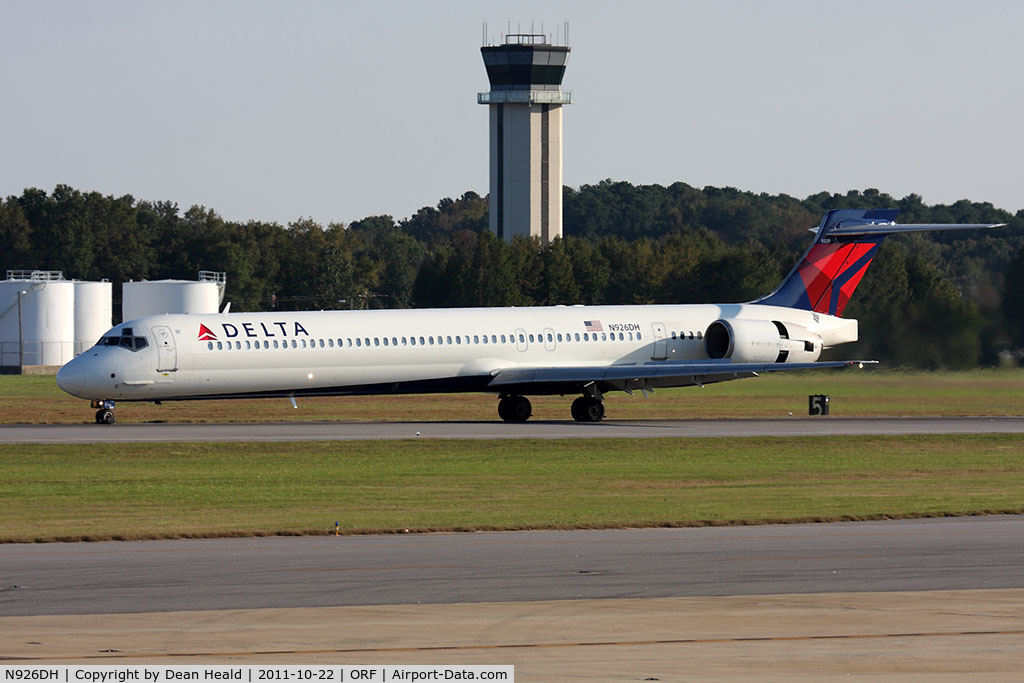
[476,339]
[404,341]
[522,339]
[385,341]
[209,346]
[376,341]
[638,337]
[248,346]
[448,339]
[330,343]
[494,339]
[586,337]
[700,335]
[577,335]
[457,339]
[431,339]
[358,342]
[551,337]
[421,341]
[503,339]
[531,338]
[394,341]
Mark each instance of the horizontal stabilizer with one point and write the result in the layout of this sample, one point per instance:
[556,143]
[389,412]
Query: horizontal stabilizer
[895,228]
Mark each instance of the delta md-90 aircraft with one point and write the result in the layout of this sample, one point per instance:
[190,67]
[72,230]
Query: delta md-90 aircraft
[510,352]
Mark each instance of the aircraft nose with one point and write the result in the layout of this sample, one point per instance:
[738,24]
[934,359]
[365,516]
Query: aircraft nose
[71,378]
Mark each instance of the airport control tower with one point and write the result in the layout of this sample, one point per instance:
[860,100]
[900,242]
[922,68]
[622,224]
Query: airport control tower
[525,103]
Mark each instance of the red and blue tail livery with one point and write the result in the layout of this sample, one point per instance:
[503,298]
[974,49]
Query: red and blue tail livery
[824,280]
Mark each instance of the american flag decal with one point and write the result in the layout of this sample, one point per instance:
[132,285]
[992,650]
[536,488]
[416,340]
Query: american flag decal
[593,325]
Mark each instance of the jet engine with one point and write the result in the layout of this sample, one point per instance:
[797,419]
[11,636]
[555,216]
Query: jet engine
[761,341]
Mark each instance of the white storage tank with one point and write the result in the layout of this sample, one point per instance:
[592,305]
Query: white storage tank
[37,318]
[48,322]
[152,297]
[9,320]
[93,312]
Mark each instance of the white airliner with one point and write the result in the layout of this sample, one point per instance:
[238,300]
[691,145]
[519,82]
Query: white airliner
[510,352]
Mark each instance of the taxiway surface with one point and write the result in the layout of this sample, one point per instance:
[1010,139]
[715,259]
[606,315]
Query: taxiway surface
[353,431]
[224,574]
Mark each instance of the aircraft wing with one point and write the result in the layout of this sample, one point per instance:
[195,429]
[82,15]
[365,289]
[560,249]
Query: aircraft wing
[643,376]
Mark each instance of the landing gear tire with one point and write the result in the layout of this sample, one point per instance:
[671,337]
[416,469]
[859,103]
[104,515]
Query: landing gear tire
[105,416]
[515,409]
[587,409]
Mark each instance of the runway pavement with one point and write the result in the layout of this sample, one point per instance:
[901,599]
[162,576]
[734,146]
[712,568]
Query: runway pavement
[219,574]
[938,599]
[341,431]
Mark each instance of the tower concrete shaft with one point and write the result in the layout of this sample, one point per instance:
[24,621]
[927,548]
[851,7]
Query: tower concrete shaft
[525,103]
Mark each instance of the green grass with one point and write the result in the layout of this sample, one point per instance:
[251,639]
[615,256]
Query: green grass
[868,392]
[50,492]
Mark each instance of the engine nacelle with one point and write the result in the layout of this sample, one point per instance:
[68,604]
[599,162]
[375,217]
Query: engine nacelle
[761,341]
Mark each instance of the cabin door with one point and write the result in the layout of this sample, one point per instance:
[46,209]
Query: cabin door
[166,353]
[660,343]
[521,343]
[549,339]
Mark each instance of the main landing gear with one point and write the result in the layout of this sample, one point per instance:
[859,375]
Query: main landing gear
[105,414]
[519,409]
[587,409]
[514,408]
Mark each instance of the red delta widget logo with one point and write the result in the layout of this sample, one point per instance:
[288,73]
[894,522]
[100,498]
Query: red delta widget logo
[249,329]
[206,334]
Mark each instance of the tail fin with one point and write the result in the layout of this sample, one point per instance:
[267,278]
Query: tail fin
[824,279]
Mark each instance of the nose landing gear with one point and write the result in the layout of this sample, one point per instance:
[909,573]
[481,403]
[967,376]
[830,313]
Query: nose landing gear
[105,414]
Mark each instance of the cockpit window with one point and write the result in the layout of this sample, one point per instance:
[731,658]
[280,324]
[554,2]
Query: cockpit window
[127,342]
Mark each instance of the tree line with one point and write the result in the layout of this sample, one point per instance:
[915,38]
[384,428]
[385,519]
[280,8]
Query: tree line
[929,300]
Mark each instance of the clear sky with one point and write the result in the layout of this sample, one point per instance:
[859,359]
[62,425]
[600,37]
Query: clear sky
[337,110]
